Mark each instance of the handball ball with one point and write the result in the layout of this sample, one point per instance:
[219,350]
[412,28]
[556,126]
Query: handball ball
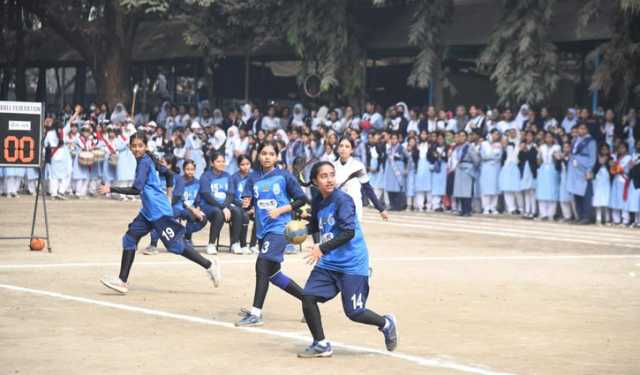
[296,232]
[37,244]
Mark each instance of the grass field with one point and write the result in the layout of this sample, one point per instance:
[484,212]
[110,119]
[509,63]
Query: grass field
[480,295]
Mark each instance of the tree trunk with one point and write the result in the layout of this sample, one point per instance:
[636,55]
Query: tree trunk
[437,81]
[4,86]
[112,78]
[41,91]
[79,89]
[21,84]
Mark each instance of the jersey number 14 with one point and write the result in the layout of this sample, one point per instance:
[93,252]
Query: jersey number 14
[356,299]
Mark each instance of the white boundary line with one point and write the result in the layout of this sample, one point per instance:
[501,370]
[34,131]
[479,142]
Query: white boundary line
[531,228]
[502,234]
[422,361]
[461,258]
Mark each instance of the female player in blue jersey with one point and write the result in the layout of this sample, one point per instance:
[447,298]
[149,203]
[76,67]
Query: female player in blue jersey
[274,194]
[342,264]
[156,213]
[185,201]
[236,185]
[216,201]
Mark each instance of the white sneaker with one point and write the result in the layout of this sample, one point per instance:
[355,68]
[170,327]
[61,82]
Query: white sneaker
[214,273]
[115,284]
[211,249]
[236,249]
[150,250]
[254,249]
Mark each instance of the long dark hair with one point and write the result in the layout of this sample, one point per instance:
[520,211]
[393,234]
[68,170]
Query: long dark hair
[264,144]
[315,169]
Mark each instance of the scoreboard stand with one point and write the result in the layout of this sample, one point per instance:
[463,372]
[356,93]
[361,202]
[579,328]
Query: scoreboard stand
[21,144]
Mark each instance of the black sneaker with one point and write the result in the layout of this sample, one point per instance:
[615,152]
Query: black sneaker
[390,333]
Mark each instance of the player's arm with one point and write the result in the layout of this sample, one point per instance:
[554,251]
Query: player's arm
[247,192]
[371,195]
[345,217]
[142,171]
[299,199]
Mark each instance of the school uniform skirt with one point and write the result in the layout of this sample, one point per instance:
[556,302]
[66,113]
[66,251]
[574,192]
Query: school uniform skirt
[633,200]
[423,177]
[616,201]
[527,182]
[411,182]
[439,181]
[548,183]
[376,179]
[489,175]
[509,180]
[601,188]
[564,195]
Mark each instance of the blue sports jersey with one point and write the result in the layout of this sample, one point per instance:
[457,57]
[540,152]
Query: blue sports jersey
[217,184]
[271,190]
[155,203]
[163,182]
[335,214]
[236,185]
[186,193]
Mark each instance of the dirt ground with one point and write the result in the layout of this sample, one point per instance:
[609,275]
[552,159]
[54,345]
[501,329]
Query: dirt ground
[480,295]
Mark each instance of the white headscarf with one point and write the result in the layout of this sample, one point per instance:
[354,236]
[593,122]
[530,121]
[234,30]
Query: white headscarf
[567,124]
[298,114]
[321,117]
[246,112]
[521,118]
[119,114]
[405,110]
[217,117]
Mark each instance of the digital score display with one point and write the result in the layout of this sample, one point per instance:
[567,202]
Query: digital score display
[20,134]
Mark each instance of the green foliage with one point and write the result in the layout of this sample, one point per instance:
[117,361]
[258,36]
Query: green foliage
[426,33]
[149,6]
[619,68]
[217,25]
[324,34]
[522,61]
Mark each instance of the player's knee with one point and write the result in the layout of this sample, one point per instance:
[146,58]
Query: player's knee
[308,301]
[177,247]
[280,280]
[353,314]
[129,242]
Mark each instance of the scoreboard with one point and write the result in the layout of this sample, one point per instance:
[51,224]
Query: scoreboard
[20,134]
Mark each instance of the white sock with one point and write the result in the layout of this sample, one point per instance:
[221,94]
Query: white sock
[323,342]
[386,323]
[256,312]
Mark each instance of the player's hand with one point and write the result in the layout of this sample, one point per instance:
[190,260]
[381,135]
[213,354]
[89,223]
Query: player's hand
[104,189]
[198,214]
[589,175]
[274,213]
[384,215]
[314,254]
[227,214]
[246,202]
[305,215]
